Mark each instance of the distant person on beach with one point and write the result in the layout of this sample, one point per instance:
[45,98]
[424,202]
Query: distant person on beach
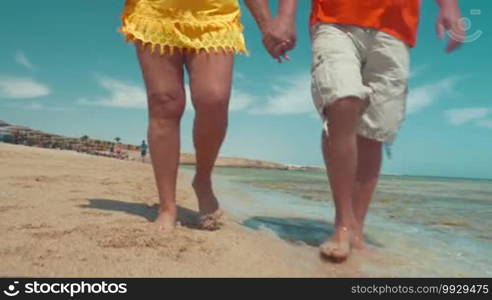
[117,150]
[200,37]
[143,150]
[360,70]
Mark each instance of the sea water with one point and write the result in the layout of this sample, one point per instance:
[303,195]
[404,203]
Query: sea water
[434,226]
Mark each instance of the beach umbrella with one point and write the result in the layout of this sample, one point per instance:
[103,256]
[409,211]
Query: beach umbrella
[17,128]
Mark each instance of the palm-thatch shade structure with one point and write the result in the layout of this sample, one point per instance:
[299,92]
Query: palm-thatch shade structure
[30,137]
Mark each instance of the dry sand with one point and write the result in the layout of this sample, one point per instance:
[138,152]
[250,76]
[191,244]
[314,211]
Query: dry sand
[68,214]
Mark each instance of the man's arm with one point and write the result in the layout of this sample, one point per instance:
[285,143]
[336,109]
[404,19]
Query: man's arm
[287,9]
[287,19]
[450,20]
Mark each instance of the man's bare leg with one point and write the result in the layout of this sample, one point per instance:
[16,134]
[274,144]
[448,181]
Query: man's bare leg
[368,168]
[210,84]
[163,76]
[340,153]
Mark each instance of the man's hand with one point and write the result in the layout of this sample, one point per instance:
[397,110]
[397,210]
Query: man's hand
[450,21]
[279,36]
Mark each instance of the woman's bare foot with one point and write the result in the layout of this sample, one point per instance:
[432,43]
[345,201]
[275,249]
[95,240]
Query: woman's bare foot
[166,220]
[358,241]
[337,247]
[210,212]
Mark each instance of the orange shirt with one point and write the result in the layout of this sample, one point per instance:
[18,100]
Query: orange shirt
[399,18]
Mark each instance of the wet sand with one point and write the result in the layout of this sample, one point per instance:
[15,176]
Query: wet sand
[69,214]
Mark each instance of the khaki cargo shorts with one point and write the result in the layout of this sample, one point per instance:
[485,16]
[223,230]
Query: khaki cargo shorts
[373,66]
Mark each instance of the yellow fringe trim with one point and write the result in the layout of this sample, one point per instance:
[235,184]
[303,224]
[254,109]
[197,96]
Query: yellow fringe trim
[169,35]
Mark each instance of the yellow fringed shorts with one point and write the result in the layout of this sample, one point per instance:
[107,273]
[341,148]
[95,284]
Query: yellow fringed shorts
[193,25]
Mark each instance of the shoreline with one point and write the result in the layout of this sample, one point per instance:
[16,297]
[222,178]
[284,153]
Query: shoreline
[100,147]
[297,208]
[69,214]
[20,135]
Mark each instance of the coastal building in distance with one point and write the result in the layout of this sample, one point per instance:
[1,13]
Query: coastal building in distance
[29,137]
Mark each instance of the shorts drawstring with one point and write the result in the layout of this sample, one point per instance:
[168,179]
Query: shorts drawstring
[388,147]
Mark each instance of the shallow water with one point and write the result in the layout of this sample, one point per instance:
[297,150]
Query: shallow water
[432,226]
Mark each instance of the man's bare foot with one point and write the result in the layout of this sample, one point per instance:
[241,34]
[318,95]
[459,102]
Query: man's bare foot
[166,220]
[210,212]
[211,221]
[358,243]
[207,201]
[337,247]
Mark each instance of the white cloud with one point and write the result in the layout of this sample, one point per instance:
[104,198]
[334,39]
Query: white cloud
[466,115]
[479,116]
[485,123]
[424,96]
[416,71]
[21,88]
[120,94]
[126,95]
[239,100]
[21,59]
[292,96]
[34,106]
[239,76]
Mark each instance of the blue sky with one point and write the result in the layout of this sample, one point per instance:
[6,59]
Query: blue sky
[65,69]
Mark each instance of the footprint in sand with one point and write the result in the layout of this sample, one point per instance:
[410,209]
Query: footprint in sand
[4,195]
[6,208]
[107,181]
[76,199]
[43,179]
[97,214]
[34,227]
[22,185]
[55,234]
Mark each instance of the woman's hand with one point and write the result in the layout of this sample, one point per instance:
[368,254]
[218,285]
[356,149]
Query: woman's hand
[279,37]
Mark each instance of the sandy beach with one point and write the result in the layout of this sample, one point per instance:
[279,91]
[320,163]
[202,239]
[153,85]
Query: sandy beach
[64,213]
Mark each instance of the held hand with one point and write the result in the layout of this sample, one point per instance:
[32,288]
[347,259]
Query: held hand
[277,48]
[450,21]
[279,37]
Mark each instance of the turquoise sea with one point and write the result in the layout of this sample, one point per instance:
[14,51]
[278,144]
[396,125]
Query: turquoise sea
[432,226]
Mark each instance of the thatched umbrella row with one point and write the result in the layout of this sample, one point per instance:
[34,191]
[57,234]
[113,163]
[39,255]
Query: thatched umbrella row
[27,136]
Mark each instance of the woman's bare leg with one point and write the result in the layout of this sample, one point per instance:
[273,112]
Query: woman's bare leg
[163,76]
[340,153]
[210,83]
[368,168]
